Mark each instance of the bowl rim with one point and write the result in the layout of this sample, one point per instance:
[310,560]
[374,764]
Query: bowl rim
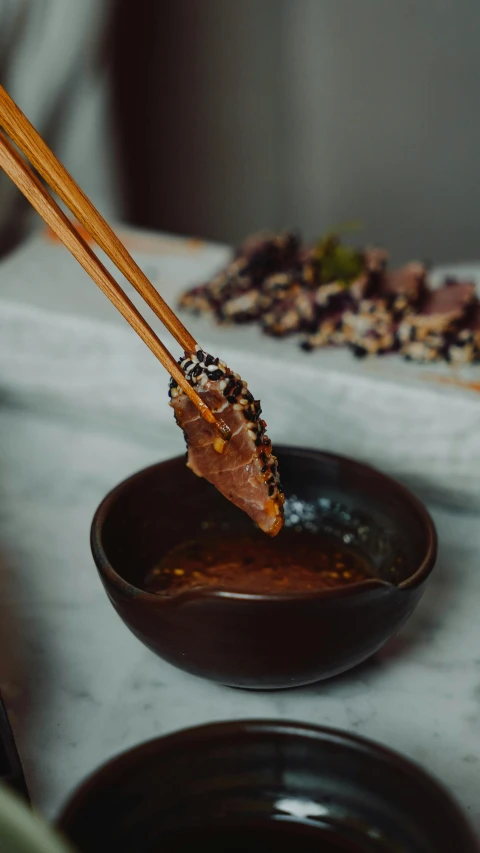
[131,591]
[184,738]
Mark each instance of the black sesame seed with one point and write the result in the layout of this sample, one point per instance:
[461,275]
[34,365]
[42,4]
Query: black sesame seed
[263,456]
[280,488]
[209,360]
[266,440]
[173,383]
[197,370]
[215,374]
[228,388]
[258,441]
[271,490]
[249,415]
[231,399]
[248,396]
[306,346]
[264,469]
[187,363]
[200,355]
[358,351]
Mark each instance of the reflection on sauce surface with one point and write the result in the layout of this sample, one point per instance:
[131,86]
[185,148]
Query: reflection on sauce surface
[295,562]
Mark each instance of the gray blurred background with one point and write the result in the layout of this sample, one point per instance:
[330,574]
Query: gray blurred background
[216,118]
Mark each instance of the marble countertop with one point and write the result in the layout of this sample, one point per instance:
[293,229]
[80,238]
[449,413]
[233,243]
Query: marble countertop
[81,407]
[80,688]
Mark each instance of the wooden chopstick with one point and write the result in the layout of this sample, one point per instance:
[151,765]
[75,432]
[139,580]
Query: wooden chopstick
[49,167]
[17,169]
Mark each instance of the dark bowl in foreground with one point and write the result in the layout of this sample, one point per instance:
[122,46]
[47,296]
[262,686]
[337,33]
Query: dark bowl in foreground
[266,641]
[246,779]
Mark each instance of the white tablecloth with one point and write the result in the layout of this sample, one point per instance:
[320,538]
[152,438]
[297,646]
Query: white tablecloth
[62,344]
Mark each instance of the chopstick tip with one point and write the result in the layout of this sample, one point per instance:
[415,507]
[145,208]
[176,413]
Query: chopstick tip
[223,430]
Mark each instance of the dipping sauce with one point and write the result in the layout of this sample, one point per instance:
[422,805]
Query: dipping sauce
[276,837]
[295,562]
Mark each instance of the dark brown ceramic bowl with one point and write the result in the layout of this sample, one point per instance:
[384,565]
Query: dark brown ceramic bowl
[321,789]
[266,641]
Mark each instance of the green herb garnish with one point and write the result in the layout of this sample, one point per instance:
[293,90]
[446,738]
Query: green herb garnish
[337,262]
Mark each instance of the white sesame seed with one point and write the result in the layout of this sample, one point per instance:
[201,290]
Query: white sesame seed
[243,401]
[237,406]
[222,384]
[174,392]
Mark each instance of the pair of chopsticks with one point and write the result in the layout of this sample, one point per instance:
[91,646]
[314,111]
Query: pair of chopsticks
[31,144]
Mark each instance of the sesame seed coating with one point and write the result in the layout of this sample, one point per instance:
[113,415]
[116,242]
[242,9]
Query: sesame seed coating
[333,295]
[212,377]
